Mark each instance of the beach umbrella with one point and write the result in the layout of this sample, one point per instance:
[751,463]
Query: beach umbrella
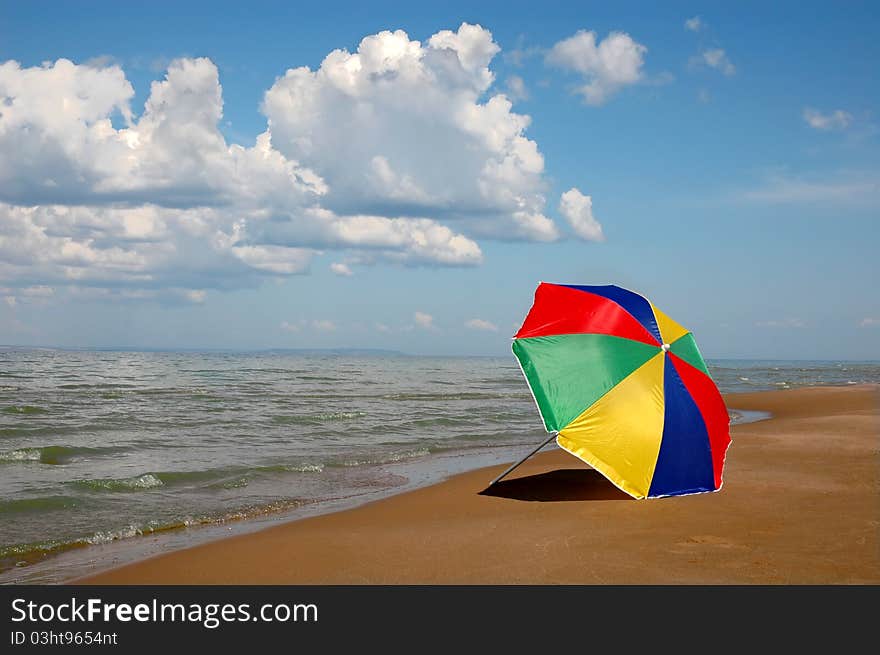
[623,387]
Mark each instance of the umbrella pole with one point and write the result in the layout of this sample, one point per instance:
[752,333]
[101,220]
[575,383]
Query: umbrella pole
[542,444]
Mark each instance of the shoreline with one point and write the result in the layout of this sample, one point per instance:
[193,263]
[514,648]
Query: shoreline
[798,506]
[81,560]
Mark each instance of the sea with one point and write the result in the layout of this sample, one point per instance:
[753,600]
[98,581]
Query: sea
[111,456]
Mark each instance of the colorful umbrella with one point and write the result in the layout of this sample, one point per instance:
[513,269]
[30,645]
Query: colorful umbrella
[624,388]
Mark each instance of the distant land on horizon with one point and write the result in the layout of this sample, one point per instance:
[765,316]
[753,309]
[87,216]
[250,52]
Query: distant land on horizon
[145,349]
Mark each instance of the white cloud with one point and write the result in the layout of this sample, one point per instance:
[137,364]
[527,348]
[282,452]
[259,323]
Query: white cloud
[341,269]
[578,211]
[399,128]
[520,53]
[408,240]
[480,324]
[835,120]
[714,58]
[195,295]
[516,88]
[321,325]
[869,322]
[274,259]
[324,325]
[782,323]
[424,320]
[398,152]
[171,296]
[694,24]
[606,66]
[852,188]
[32,295]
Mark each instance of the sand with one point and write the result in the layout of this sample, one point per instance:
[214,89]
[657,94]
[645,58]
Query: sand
[799,504]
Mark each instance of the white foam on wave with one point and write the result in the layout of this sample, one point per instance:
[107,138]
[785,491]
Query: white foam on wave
[304,468]
[106,536]
[388,459]
[145,481]
[21,455]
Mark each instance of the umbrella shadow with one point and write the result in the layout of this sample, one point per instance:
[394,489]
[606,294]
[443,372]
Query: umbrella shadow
[556,486]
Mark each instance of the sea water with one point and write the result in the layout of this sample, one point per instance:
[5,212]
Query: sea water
[105,447]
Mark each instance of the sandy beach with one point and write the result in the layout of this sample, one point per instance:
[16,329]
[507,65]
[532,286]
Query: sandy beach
[799,505]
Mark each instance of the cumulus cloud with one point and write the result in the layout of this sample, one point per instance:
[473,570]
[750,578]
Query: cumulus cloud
[341,269]
[398,128]
[869,322]
[606,66]
[835,120]
[578,211]
[694,24]
[274,259]
[164,201]
[424,320]
[480,324]
[715,58]
[396,152]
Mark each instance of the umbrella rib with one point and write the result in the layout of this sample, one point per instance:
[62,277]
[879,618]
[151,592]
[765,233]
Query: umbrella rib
[513,466]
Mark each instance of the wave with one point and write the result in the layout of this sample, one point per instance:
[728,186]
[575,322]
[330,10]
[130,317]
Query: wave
[145,481]
[191,393]
[220,478]
[24,554]
[309,419]
[451,396]
[470,445]
[24,409]
[97,385]
[293,468]
[386,459]
[54,430]
[56,455]
[439,421]
[243,480]
[37,504]
[513,379]
[173,478]
[285,371]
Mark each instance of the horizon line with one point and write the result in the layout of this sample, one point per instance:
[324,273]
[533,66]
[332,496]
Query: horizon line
[346,350]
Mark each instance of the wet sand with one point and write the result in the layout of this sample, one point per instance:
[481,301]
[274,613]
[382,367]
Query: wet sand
[799,505]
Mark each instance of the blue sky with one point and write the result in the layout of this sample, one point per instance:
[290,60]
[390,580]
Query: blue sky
[729,153]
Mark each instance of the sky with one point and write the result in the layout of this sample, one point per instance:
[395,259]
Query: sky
[392,175]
